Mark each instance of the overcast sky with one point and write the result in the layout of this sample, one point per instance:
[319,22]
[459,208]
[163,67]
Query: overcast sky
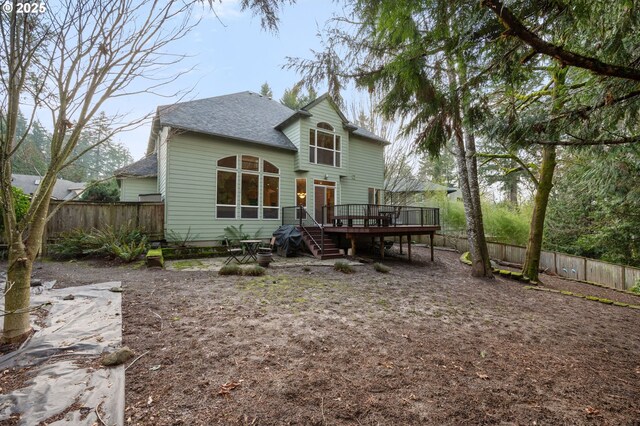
[233,56]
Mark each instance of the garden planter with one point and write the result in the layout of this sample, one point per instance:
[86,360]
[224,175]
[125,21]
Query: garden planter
[264,259]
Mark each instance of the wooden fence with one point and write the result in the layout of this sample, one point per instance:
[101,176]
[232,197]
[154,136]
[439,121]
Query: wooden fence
[565,265]
[146,217]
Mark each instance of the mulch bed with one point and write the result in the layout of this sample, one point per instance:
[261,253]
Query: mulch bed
[424,344]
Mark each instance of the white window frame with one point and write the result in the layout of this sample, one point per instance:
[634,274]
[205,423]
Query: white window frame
[313,145]
[239,171]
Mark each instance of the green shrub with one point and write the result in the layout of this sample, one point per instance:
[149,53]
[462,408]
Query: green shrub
[501,223]
[21,205]
[636,287]
[253,271]
[381,268]
[230,270]
[181,240]
[129,252]
[235,234]
[505,225]
[125,244]
[101,192]
[343,267]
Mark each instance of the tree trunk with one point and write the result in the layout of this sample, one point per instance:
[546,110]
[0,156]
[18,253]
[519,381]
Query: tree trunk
[468,165]
[545,183]
[16,321]
[512,186]
[480,254]
[468,176]
[534,244]
[513,193]
[17,325]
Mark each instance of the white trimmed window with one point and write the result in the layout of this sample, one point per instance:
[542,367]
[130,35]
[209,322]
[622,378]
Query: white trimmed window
[249,183]
[324,145]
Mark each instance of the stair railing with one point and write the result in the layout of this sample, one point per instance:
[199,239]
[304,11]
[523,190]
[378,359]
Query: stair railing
[307,221]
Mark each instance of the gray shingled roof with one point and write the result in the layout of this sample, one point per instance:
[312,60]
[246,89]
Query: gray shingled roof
[62,190]
[244,116]
[145,167]
[362,132]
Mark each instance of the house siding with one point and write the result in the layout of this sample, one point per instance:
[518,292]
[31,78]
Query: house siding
[130,188]
[366,170]
[191,185]
[161,146]
[323,112]
[292,132]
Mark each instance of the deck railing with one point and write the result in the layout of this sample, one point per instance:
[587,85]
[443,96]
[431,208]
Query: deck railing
[381,215]
[363,215]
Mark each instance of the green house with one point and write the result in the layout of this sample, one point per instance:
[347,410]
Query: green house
[240,158]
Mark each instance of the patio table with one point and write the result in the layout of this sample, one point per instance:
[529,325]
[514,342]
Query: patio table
[251,253]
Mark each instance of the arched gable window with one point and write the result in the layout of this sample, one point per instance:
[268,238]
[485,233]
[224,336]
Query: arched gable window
[324,145]
[250,183]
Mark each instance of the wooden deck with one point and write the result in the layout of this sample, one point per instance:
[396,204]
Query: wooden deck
[353,232]
[353,221]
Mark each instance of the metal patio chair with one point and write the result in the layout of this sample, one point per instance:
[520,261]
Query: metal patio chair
[232,252]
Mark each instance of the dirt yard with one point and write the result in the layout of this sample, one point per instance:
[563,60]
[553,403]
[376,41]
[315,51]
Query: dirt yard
[423,344]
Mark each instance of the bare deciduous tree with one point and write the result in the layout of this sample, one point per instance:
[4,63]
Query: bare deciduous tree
[68,61]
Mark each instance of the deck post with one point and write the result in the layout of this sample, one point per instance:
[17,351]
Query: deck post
[431,244]
[409,246]
[353,245]
[400,243]
[382,246]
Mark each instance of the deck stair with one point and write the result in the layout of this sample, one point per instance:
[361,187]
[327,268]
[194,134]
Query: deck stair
[313,239]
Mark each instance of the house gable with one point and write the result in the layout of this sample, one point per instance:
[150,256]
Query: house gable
[323,110]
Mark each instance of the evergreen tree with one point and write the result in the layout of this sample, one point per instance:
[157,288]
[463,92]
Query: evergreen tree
[419,57]
[265,90]
[440,169]
[294,99]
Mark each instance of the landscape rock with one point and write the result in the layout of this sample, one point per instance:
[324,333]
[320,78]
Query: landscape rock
[118,357]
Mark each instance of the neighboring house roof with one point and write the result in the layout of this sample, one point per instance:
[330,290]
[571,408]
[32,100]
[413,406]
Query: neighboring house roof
[412,184]
[62,190]
[145,167]
[245,116]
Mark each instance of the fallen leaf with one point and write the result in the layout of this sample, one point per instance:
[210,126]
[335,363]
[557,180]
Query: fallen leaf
[482,376]
[150,400]
[155,367]
[226,389]
[592,411]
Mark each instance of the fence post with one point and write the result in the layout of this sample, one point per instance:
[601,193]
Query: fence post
[585,268]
